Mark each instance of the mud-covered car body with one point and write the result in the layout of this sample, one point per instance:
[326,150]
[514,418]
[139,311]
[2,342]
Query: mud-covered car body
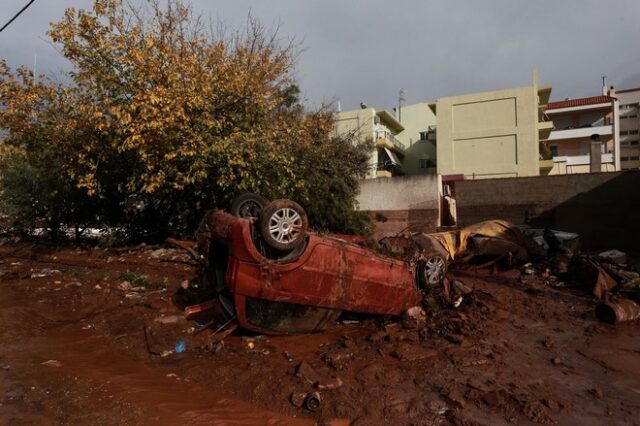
[307,289]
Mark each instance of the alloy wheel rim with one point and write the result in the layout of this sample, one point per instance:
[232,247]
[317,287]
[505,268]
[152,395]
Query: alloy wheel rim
[285,225]
[434,270]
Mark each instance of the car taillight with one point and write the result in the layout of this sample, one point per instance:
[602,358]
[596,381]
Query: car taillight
[232,272]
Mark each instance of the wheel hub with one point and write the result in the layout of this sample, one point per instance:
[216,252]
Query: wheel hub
[434,270]
[285,225]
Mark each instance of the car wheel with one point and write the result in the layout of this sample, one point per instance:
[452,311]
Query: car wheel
[248,205]
[283,224]
[432,271]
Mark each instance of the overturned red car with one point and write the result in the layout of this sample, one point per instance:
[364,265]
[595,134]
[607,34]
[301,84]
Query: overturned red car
[273,276]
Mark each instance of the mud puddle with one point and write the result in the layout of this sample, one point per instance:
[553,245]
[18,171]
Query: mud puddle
[51,366]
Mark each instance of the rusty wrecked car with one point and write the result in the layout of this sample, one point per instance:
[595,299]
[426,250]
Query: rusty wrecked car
[263,268]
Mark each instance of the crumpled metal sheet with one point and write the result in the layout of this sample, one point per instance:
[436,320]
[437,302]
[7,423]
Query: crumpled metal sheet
[477,239]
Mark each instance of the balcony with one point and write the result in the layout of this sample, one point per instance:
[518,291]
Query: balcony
[582,160]
[582,132]
[386,139]
[385,169]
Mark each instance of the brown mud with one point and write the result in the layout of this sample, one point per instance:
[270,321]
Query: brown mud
[73,351]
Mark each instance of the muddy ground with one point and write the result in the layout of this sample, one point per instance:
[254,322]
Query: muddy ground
[517,351]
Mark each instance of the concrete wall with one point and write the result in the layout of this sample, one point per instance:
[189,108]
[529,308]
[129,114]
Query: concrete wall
[490,134]
[602,207]
[402,202]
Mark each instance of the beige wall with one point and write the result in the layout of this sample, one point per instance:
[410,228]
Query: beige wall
[417,118]
[360,123]
[490,134]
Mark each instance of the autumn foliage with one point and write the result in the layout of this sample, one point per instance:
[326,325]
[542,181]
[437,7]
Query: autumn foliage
[164,117]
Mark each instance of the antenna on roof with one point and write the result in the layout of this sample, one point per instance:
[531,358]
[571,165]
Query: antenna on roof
[604,85]
[401,99]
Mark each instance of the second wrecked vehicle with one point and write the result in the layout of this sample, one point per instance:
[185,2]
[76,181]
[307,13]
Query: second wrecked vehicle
[262,268]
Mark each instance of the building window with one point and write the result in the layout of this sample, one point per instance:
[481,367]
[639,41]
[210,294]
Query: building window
[633,132]
[623,117]
[624,132]
[424,135]
[554,150]
[634,142]
[624,158]
[426,163]
[634,158]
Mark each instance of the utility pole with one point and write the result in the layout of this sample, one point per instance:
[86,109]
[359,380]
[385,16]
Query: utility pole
[401,99]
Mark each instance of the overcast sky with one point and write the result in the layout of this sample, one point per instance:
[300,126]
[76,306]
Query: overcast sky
[366,50]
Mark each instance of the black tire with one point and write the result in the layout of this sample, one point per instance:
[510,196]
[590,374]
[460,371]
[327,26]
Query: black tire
[283,225]
[248,205]
[431,272]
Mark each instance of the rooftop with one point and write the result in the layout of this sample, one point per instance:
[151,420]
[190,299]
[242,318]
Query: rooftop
[569,103]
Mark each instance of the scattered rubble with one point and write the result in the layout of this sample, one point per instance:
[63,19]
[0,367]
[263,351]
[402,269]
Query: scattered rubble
[494,342]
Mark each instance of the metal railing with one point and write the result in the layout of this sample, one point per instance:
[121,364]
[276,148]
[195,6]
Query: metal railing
[385,134]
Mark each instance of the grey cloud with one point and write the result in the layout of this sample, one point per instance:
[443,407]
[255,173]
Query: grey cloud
[367,50]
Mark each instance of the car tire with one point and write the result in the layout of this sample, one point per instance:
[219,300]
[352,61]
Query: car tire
[248,205]
[431,271]
[283,225]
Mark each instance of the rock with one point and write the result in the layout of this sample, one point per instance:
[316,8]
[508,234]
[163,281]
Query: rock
[124,286]
[437,407]
[158,253]
[305,371]
[551,404]
[414,318]
[52,363]
[169,319]
[556,361]
[528,269]
[297,399]
[493,398]
[288,356]
[615,256]
[97,287]
[44,273]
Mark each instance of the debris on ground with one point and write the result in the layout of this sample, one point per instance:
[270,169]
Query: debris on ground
[499,337]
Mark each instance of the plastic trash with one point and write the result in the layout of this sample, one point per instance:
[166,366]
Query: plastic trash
[180,347]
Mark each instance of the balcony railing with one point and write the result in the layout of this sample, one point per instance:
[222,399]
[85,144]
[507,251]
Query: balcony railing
[385,134]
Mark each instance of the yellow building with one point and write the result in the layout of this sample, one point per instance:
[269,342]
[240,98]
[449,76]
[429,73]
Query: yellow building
[382,128]
[493,134]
